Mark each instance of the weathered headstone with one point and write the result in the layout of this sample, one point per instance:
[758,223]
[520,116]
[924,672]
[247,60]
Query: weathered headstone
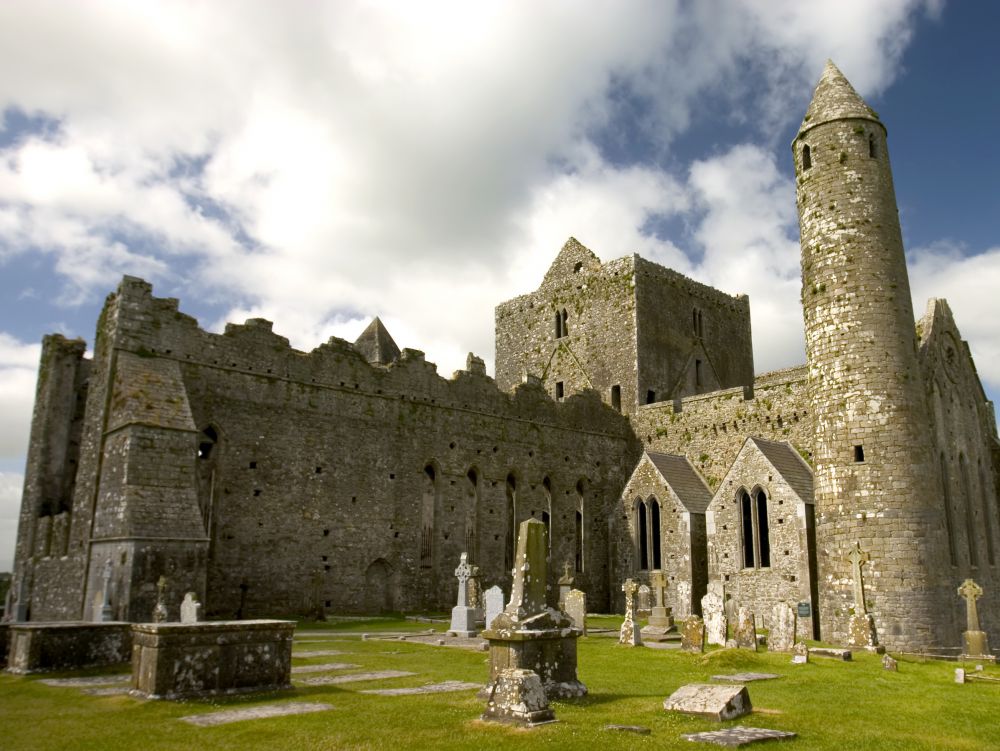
[160,609]
[518,698]
[682,602]
[529,633]
[494,604]
[800,653]
[974,641]
[889,663]
[711,701]
[190,609]
[713,611]
[629,634]
[565,585]
[745,632]
[661,622]
[693,634]
[643,604]
[782,635]
[576,609]
[463,617]
[860,626]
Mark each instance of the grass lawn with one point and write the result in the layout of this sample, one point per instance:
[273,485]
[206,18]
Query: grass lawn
[830,704]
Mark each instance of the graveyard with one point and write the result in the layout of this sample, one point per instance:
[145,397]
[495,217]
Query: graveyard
[828,703]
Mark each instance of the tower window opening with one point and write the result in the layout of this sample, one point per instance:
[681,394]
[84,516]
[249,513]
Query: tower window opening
[565,322]
[697,373]
[872,153]
[616,397]
[559,390]
[577,266]
[859,453]
[650,396]
[807,161]
[559,329]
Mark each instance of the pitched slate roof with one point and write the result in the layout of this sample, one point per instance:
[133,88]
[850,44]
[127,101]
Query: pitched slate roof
[682,478]
[376,345]
[789,464]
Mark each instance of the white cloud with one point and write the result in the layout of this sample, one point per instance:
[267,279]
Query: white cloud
[969,283]
[10,507]
[18,369]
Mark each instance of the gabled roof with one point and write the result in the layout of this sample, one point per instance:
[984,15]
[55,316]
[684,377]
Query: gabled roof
[789,464]
[376,345]
[572,259]
[682,478]
[835,99]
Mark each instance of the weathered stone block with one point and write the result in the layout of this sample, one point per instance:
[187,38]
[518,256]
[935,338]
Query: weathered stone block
[39,647]
[175,660]
[710,701]
[518,698]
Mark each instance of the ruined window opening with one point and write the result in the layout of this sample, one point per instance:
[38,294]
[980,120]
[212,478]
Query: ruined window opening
[565,323]
[429,503]
[579,541]
[988,519]
[616,397]
[547,511]
[872,154]
[859,453]
[654,531]
[472,516]
[701,330]
[577,266]
[650,396]
[763,532]
[697,373]
[807,161]
[948,523]
[559,329]
[209,437]
[970,523]
[510,542]
[253,465]
[694,321]
[640,512]
[746,525]
[559,390]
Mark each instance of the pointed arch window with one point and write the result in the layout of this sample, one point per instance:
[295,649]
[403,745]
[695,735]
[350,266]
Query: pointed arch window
[647,525]
[578,540]
[970,522]
[428,503]
[565,322]
[472,512]
[511,541]
[807,161]
[987,516]
[755,532]
[559,328]
[949,523]
[547,511]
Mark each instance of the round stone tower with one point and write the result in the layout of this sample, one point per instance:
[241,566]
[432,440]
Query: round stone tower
[876,481]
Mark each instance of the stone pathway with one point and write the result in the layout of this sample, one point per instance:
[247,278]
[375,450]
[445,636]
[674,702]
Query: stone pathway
[430,688]
[330,680]
[738,736]
[92,681]
[745,677]
[326,666]
[318,653]
[261,711]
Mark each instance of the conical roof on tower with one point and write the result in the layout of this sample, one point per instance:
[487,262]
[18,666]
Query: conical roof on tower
[835,99]
[376,345]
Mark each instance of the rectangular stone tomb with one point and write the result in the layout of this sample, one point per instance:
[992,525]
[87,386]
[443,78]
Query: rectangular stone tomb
[40,647]
[710,701]
[552,654]
[738,736]
[177,660]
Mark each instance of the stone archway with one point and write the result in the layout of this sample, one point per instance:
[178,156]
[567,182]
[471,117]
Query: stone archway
[378,587]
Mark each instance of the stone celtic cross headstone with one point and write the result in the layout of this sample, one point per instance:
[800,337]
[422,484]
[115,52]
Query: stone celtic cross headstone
[693,634]
[629,634]
[713,610]
[745,632]
[861,626]
[463,617]
[576,609]
[782,635]
[661,621]
[975,642]
[190,609]
[160,609]
[494,604]
[858,558]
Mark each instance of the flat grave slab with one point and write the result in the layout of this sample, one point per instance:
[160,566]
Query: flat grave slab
[710,700]
[430,688]
[92,681]
[259,712]
[332,680]
[837,654]
[637,729]
[298,669]
[738,736]
[318,653]
[745,677]
[107,691]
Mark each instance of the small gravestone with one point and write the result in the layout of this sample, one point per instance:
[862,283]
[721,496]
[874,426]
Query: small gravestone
[576,609]
[160,609]
[738,735]
[800,653]
[190,609]
[629,634]
[463,617]
[710,701]
[644,603]
[682,603]
[518,698]
[782,635]
[494,604]
[959,675]
[693,634]
[661,622]
[889,663]
[565,585]
[975,643]
[713,610]
[745,632]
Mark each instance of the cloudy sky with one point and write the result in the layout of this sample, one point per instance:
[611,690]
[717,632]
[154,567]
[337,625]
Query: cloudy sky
[321,163]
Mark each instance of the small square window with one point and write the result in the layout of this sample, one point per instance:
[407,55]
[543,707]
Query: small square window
[859,453]
[559,390]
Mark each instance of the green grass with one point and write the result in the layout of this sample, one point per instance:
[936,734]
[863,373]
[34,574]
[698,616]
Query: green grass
[830,704]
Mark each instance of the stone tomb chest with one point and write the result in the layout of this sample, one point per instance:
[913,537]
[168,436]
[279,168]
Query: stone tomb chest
[178,660]
[37,647]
